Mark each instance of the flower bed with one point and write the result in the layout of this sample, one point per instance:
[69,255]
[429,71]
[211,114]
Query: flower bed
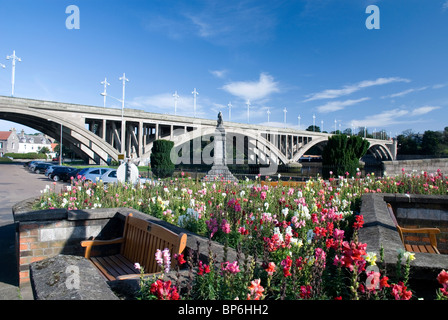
[297,242]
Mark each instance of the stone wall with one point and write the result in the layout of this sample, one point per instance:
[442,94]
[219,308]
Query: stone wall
[429,165]
[379,231]
[422,211]
[47,233]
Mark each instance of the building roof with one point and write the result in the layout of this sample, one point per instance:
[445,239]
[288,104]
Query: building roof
[4,135]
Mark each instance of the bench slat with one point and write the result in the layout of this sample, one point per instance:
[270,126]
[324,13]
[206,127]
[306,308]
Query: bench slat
[141,239]
[104,268]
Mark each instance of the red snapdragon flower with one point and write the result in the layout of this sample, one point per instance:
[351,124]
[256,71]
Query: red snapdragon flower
[359,222]
[203,268]
[286,264]
[270,268]
[163,290]
[400,293]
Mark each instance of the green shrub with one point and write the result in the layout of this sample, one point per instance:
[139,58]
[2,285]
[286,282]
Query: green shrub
[161,164]
[29,155]
[342,153]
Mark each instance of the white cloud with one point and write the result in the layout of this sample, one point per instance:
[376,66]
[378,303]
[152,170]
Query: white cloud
[213,21]
[445,5]
[403,93]
[253,90]
[383,119]
[164,103]
[218,73]
[346,90]
[423,110]
[440,85]
[393,117]
[338,105]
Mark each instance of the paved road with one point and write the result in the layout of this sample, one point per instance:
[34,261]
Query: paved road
[16,184]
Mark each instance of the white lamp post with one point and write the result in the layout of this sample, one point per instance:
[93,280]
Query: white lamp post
[298,118]
[314,122]
[105,83]
[60,145]
[230,110]
[195,93]
[248,107]
[268,112]
[14,58]
[123,126]
[176,96]
[284,116]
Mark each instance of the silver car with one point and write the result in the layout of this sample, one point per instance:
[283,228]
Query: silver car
[92,174]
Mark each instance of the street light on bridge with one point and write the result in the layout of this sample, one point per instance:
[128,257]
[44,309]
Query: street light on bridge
[284,118]
[14,58]
[60,144]
[124,79]
[105,88]
[176,97]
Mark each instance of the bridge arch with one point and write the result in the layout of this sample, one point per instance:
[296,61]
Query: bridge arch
[83,142]
[259,145]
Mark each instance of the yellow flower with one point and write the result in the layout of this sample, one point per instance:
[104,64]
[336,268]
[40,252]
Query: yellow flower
[371,258]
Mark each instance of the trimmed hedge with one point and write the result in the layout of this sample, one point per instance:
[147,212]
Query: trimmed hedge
[29,155]
[342,153]
[161,164]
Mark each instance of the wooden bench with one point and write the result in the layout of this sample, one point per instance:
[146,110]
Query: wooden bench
[139,243]
[430,247]
[284,183]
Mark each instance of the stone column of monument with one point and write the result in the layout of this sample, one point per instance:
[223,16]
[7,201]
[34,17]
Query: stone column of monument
[219,169]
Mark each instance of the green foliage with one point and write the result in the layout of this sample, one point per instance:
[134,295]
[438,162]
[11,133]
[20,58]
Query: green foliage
[430,143]
[44,150]
[161,164]
[342,154]
[29,155]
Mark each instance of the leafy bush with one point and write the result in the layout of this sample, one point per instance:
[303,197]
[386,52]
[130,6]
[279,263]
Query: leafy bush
[161,164]
[29,155]
[341,155]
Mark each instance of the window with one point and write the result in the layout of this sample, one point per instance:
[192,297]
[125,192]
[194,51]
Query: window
[97,171]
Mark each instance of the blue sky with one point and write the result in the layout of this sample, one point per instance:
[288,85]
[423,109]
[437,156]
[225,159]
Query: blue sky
[312,57]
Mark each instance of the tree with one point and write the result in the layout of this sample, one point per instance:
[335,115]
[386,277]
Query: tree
[161,164]
[313,128]
[342,153]
[44,150]
[431,142]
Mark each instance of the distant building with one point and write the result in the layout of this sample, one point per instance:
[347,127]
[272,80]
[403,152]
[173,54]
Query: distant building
[32,143]
[9,142]
[12,142]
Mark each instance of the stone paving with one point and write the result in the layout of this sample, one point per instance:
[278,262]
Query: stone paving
[16,184]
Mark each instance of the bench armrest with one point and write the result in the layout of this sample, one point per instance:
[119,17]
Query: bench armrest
[138,275]
[430,231]
[88,244]
[421,230]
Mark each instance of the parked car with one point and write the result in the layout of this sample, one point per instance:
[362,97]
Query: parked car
[92,174]
[62,173]
[41,167]
[51,168]
[73,174]
[109,177]
[33,164]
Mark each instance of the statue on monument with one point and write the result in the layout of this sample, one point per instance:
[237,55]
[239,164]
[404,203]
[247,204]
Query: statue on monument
[219,169]
[220,122]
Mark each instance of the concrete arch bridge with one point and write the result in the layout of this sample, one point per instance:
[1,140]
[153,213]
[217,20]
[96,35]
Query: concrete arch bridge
[99,134]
